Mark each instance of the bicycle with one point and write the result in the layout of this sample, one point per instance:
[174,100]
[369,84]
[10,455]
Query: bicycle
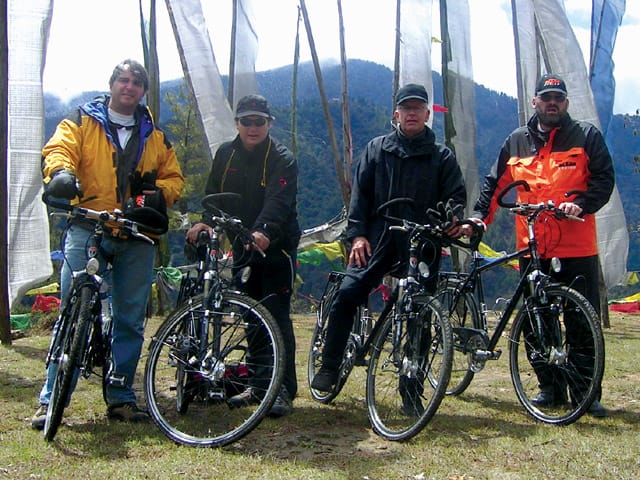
[538,337]
[409,341]
[217,344]
[81,341]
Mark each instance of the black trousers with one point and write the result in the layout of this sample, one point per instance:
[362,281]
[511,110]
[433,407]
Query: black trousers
[273,277]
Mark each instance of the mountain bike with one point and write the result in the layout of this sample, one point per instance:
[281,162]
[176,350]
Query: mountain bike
[547,315]
[410,341]
[81,341]
[216,345]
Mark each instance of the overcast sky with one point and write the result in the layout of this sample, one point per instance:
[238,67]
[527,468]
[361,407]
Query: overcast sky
[89,37]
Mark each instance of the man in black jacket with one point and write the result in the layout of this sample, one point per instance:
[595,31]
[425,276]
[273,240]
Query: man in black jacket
[265,174]
[404,163]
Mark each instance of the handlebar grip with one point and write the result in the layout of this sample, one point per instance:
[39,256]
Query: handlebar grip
[507,189]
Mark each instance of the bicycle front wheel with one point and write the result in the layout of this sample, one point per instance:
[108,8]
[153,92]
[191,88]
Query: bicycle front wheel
[557,347]
[68,347]
[405,352]
[213,393]
[463,314]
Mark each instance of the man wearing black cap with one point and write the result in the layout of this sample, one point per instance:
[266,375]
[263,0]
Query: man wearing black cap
[556,154]
[265,174]
[404,163]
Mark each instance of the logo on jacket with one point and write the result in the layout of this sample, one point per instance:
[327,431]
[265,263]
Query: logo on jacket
[567,165]
[283,182]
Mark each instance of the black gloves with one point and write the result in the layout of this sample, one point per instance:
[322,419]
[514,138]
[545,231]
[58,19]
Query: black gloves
[63,184]
[444,214]
[149,209]
[138,183]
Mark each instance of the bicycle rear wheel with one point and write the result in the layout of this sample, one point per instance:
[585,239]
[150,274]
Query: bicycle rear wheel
[404,354]
[463,314]
[67,349]
[318,341]
[188,385]
[567,361]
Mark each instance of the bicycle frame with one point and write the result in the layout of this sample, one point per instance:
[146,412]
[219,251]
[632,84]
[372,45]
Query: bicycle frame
[473,283]
[556,349]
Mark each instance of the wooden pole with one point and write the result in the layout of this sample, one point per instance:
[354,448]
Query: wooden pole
[5,317]
[346,118]
[325,107]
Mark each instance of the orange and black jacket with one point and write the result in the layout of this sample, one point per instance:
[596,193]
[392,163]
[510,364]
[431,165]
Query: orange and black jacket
[573,156]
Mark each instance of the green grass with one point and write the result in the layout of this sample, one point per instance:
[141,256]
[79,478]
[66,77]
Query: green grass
[484,434]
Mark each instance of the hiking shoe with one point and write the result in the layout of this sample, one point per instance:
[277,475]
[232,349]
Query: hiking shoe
[127,412]
[597,410]
[244,399]
[548,399]
[324,379]
[282,406]
[40,417]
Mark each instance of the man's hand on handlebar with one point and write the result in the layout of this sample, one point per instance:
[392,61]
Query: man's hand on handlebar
[468,231]
[260,240]
[194,232]
[454,230]
[570,208]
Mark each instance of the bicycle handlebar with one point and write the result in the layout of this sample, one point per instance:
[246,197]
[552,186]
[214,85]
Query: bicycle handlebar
[522,208]
[435,230]
[100,217]
[227,222]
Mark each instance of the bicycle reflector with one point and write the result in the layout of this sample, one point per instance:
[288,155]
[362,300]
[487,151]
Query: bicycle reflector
[93,265]
[556,265]
[423,268]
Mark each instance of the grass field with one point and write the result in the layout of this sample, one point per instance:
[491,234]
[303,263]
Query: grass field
[484,434]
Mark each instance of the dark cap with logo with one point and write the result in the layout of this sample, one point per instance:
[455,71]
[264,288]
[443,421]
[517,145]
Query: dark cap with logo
[411,91]
[551,83]
[253,105]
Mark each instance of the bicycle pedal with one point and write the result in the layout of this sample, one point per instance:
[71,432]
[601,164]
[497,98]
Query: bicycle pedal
[117,381]
[488,354]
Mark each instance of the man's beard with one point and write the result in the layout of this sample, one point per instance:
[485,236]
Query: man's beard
[552,121]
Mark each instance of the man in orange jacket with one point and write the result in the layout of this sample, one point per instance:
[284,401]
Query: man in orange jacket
[556,154]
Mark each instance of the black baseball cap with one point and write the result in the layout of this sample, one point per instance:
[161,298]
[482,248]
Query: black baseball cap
[411,91]
[253,105]
[551,83]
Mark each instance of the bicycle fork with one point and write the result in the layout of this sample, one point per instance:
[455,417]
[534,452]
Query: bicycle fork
[547,329]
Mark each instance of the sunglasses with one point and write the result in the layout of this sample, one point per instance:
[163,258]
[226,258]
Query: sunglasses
[558,97]
[257,122]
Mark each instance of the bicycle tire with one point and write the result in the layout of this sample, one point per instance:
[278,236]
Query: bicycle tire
[187,397]
[463,312]
[108,360]
[70,347]
[318,341]
[576,367]
[399,406]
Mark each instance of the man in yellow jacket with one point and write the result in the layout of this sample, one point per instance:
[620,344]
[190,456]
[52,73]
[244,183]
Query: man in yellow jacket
[110,153]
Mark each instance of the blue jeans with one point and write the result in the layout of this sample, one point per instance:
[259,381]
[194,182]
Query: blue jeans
[131,277]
